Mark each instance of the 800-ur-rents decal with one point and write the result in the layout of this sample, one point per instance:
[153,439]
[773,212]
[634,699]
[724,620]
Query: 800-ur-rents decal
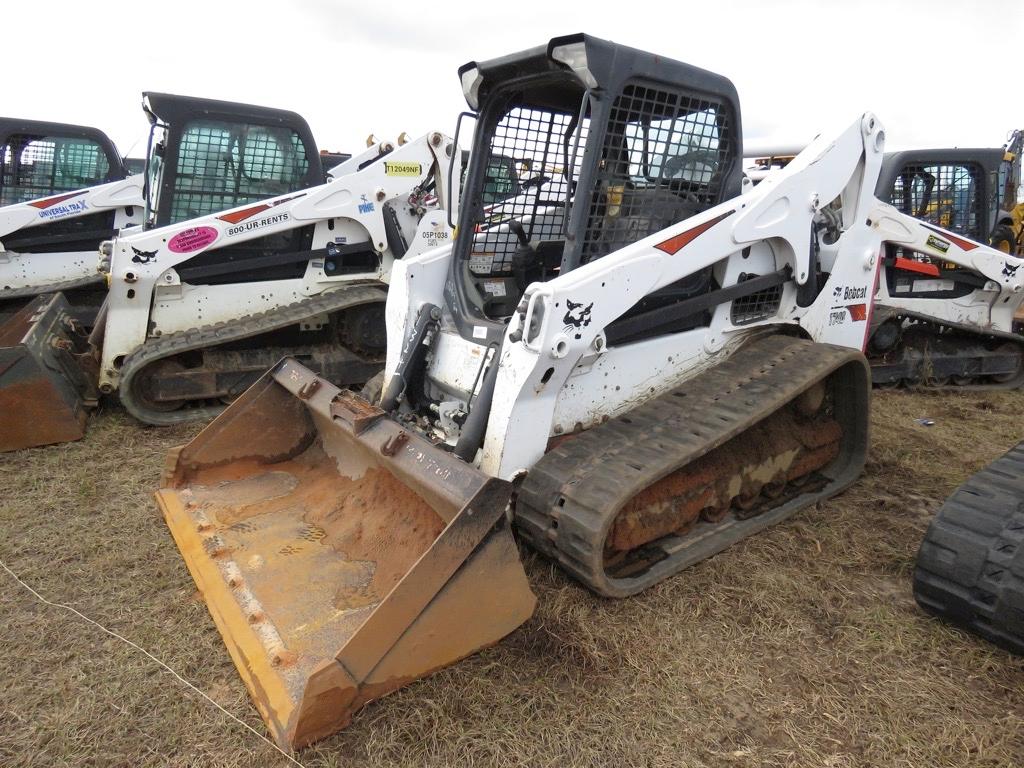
[239,218]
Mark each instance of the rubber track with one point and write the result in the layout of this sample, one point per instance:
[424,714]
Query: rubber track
[1013,338]
[221,333]
[970,568]
[570,497]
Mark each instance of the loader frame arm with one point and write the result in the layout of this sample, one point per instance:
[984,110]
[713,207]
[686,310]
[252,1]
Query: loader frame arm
[25,272]
[990,307]
[123,193]
[534,383]
[556,345]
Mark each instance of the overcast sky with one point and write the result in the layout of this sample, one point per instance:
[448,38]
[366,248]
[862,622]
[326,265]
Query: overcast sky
[937,72]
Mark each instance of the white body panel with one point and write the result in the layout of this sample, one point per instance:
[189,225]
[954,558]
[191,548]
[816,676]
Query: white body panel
[147,296]
[40,272]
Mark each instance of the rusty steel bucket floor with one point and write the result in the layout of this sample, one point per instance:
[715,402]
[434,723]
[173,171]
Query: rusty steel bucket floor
[330,577]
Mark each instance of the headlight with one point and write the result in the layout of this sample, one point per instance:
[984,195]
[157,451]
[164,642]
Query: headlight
[575,56]
[471,82]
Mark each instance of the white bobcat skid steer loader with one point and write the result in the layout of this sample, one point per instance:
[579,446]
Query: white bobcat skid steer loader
[196,311]
[946,305]
[681,367]
[204,155]
[63,190]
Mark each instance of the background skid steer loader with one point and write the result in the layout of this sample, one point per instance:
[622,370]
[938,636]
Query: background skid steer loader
[944,313]
[204,155]
[63,189]
[197,310]
[662,365]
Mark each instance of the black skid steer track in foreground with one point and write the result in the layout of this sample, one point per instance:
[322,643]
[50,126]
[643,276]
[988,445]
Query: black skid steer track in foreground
[970,568]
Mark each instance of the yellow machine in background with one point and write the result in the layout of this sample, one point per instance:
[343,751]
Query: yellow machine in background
[1006,235]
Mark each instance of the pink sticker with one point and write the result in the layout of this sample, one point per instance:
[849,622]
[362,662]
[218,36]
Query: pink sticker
[193,239]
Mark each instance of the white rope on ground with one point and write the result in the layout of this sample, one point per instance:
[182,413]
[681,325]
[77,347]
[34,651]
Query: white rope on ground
[153,658]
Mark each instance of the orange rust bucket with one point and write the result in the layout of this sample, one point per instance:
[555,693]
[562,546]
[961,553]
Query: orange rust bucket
[340,555]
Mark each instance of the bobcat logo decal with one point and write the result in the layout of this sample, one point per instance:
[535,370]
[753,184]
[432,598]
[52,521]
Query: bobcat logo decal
[143,257]
[576,316]
[1009,270]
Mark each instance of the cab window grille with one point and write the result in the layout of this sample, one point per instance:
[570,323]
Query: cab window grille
[756,306]
[942,194]
[526,181]
[40,166]
[664,159]
[223,165]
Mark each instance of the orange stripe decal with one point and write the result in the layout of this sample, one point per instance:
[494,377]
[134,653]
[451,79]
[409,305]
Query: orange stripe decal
[909,265]
[675,244]
[54,200]
[236,216]
[858,312]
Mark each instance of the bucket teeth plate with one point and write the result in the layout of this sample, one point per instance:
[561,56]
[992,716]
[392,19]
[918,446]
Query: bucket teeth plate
[340,556]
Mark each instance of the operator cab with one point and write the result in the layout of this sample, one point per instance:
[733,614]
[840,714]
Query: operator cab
[609,145]
[952,188]
[39,160]
[207,156]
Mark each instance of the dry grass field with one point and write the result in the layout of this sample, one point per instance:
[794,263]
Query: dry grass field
[800,647]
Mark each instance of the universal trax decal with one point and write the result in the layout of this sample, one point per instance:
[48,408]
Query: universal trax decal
[57,208]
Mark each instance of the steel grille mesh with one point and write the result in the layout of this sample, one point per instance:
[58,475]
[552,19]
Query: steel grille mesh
[35,167]
[942,194]
[663,160]
[538,143]
[756,306]
[222,166]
